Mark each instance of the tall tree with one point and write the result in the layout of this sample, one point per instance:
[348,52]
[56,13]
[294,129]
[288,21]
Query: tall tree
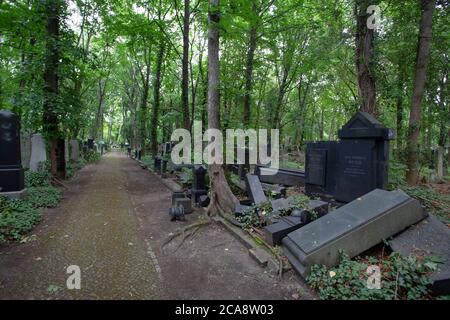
[51,89]
[185,66]
[423,51]
[222,199]
[364,57]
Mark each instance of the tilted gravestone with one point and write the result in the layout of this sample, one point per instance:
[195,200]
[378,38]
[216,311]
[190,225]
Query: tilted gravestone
[74,150]
[254,189]
[11,171]
[38,152]
[353,228]
[285,177]
[353,166]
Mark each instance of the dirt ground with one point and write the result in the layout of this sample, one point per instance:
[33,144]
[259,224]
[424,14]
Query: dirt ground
[112,223]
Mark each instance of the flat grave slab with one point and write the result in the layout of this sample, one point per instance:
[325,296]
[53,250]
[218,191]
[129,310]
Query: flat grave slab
[430,237]
[280,176]
[354,228]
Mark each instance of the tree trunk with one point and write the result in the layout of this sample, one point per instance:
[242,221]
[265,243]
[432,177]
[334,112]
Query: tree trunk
[185,67]
[144,101]
[51,90]
[222,199]
[423,50]
[156,97]
[399,107]
[249,74]
[364,57]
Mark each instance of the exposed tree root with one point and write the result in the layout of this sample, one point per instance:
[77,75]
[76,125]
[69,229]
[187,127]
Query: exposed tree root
[195,227]
[59,183]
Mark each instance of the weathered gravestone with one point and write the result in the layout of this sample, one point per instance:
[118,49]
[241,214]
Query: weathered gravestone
[74,150]
[11,171]
[38,152]
[66,150]
[199,183]
[430,237]
[25,149]
[254,189]
[353,228]
[352,167]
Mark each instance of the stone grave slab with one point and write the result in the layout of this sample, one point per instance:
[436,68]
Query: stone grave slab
[354,228]
[240,210]
[430,237]
[254,189]
[38,152]
[275,232]
[280,176]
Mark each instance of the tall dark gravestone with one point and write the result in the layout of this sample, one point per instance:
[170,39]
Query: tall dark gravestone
[90,144]
[11,171]
[61,159]
[199,183]
[357,164]
[363,157]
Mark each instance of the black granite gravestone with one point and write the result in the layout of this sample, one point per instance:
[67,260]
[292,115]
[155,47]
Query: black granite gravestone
[320,167]
[139,155]
[352,167]
[199,183]
[11,171]
[90,144]
[363,155]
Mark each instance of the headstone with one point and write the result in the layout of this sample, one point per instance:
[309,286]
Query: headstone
[11,171]
[254,189]
[74,150]
[440,163]
[177,195]
[90,144]
[320,168]
[204,200]
[352,167]
[38,152]
[363,156]
[241,210]
[25,149]
[157,164]
[353,228]
[186,203]
[274,233]
[430,237]
[199,183]
[66,150]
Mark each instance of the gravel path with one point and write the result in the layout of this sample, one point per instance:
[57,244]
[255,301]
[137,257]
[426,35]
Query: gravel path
[112,223]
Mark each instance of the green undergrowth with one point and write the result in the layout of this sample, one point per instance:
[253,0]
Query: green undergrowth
[19,216]
[433,201]
[91,156]
[400,278]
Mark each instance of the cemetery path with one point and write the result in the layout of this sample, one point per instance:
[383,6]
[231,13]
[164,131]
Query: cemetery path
[112,223]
